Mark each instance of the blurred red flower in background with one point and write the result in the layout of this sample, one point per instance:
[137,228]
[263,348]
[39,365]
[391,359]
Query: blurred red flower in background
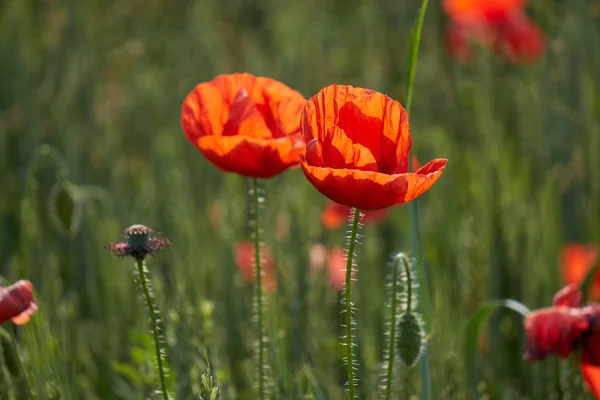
[500,25]
[244,258]
[245,124]
[357,141]
[17,302]
[564,328]
[577,260]
[335,260]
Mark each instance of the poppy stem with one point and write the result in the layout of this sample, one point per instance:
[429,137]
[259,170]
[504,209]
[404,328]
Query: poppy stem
[258,293]
[393,310]
[20,363]
[141,268]
[348,302]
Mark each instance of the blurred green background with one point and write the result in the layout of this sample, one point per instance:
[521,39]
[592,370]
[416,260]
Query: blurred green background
[90,95]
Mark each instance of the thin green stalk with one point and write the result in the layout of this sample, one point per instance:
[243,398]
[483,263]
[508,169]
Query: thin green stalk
[348,301]
[21,367]
[259,302]
[415,245]
[154,320]
[392,340]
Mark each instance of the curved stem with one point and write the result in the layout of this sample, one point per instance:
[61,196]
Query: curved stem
[348,300]
[154,321]
[258,294]
[391,343]
[409,284]
[21,367]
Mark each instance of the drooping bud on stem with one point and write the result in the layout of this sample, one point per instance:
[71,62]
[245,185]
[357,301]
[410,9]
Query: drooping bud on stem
[411,338]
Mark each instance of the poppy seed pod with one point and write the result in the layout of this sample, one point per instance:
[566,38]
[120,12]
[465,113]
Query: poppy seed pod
[410,341]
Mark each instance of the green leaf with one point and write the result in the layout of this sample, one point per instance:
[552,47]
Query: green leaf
[64,207]
[474,326]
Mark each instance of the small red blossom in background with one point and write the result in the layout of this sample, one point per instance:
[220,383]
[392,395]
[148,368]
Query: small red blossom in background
[245,257]
[500,25]
[245,124]
[17,302]
[336,215]
[334,260]
[577,259]
[565,328]
[357,145]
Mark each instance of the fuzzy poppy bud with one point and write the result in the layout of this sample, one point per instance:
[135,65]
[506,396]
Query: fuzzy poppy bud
[8,351]
[65,210]
[410,341]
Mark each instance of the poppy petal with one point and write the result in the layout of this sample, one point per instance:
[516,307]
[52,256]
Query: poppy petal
[554,330]
[569,296]
[576,260]
[520,40]
[492,12]
[591,374]
[258,158]
[16,301]
[367,118]
[372,190]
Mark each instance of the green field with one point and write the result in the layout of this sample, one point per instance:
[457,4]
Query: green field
[90,96]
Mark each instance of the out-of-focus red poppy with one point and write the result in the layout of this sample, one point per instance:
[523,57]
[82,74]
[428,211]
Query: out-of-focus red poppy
[244,258]
[17,302]
[335,215]
[565,328]
[336,267]
[520,40]
[356,143]
[490,11]
[500,25]
[577,260]
[335,260]
[245,124]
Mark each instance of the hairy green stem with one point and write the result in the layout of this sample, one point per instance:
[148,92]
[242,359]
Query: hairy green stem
[20,362]
[154,321]
[409,284]
[259,302]
[392,341]
[348,301]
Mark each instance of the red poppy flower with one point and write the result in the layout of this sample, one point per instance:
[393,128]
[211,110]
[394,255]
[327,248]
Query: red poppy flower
[357,140]
[577,260]
[490,11]
[17,302]
[245,124]
[565,328]
[245,256]
[520,40]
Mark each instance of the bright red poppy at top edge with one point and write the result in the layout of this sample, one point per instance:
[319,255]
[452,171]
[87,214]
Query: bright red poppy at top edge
[490,11]
[17,302]
[357,141]
[245,124]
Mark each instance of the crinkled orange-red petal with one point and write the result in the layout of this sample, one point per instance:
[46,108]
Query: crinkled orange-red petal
[569,296]
[372,190]
[245,124]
